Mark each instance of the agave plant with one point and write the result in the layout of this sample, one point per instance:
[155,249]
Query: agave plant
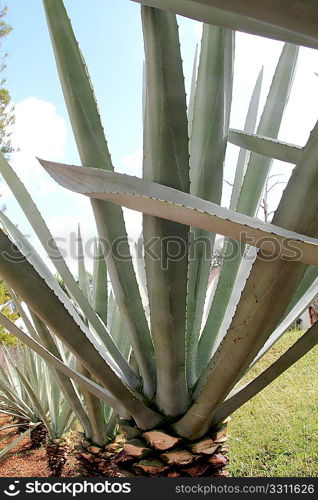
[15,401]
[30,393]
[191,346]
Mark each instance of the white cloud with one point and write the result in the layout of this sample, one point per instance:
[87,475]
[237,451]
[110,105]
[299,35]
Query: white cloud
[38,129]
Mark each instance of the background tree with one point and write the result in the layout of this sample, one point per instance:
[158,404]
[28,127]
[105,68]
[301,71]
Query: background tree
[6,122]
[8,309]
[6,107]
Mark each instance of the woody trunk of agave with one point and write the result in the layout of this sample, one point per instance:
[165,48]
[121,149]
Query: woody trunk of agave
[175,397]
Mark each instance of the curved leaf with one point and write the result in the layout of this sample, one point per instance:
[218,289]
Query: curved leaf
[265,146]
[99,292]
[249,126]
[65,383]
[166,160]
[161,201]
[36,403]
[293,21]
[211,114]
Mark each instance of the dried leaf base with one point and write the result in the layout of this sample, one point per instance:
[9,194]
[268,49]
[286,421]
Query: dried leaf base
[156,454]
[38,436]
[56,454]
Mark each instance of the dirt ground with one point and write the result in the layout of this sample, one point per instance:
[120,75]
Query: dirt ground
[23,462]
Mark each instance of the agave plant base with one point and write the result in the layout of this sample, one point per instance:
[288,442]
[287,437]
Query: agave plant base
[38,436]
[156,453]
[90,460]
[56,454]
[93,460]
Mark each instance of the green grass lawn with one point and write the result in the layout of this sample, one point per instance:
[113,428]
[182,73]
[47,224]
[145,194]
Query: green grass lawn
[276,433]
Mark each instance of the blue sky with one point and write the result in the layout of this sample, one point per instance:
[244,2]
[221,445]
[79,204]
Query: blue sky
[110,36]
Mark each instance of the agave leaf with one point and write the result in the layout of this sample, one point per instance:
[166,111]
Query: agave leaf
[111,425]
[249,126]
[82,273]
[10,413]
[65,421]
[305,286]
[208,141]
[92,403]
[215,78]
[242,275]
[11,396]
[4,375]
[65,383]
[79,98]
[53,395]
[192,92]
[291,356]
[303,303]
[269,288]
[93,151]
[28,324]
[9,375]
[166,160]
[269,126]
[13,406]
[16,397]
[29,284]
[288,20]
[265,146]
[100,292]
[161,201]
[15,442]
[14,425]
[94,410]
[36,403]
[139,260]
[248,201]
[29,369]
[144,417]
[117,327]
[226,277]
